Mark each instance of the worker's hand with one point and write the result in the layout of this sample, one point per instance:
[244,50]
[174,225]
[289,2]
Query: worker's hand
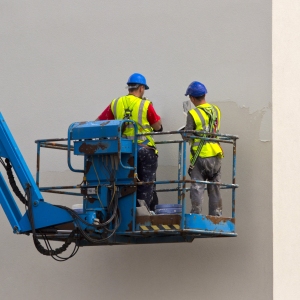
[159,130]
[190,169]
[183,135]
[157,126]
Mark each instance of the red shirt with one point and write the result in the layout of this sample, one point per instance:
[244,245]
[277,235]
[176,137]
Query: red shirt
[152,116]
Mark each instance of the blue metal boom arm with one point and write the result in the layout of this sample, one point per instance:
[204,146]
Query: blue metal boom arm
[45,214]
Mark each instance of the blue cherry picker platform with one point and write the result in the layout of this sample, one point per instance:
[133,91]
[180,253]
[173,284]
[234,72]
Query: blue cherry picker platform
[108,214]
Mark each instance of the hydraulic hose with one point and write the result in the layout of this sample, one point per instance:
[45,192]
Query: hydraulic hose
[12,182]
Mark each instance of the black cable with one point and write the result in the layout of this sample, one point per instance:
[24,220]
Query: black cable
[102,239]
[75,216]
[57,257]
[2,162]
[78,219]
[38,245]
[8,168]
[54,253]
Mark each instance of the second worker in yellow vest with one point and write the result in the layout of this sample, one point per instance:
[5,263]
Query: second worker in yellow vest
[205,155]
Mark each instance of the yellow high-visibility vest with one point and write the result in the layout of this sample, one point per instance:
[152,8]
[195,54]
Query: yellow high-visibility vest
[137,110]
[201,119]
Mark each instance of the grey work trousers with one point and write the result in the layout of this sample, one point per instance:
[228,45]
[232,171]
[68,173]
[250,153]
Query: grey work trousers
[206,169]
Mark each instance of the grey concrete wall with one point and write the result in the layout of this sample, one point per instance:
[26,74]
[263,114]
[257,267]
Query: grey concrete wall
[63,61]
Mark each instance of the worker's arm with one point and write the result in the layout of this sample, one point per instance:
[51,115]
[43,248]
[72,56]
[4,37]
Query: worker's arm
[106,114]
[157,126]
[190,125]
[154,119]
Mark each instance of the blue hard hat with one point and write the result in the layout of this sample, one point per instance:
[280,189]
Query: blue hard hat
[138,79]
[196,89]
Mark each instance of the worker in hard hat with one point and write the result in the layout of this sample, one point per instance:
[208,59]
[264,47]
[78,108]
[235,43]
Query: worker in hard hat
[134,107]
[205,157]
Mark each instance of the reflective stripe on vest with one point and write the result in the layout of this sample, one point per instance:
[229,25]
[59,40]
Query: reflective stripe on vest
[138,109]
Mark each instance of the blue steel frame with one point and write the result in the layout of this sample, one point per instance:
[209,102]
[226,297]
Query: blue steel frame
[201,225]
[182,157]
[191,225]
[94,141]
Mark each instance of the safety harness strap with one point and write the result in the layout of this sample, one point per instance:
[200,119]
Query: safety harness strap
[212,127]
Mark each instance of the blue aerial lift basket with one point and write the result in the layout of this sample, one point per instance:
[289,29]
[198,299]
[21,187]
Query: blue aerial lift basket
[108,215]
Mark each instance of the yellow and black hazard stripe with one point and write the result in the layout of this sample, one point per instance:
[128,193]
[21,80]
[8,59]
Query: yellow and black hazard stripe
[159,227]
